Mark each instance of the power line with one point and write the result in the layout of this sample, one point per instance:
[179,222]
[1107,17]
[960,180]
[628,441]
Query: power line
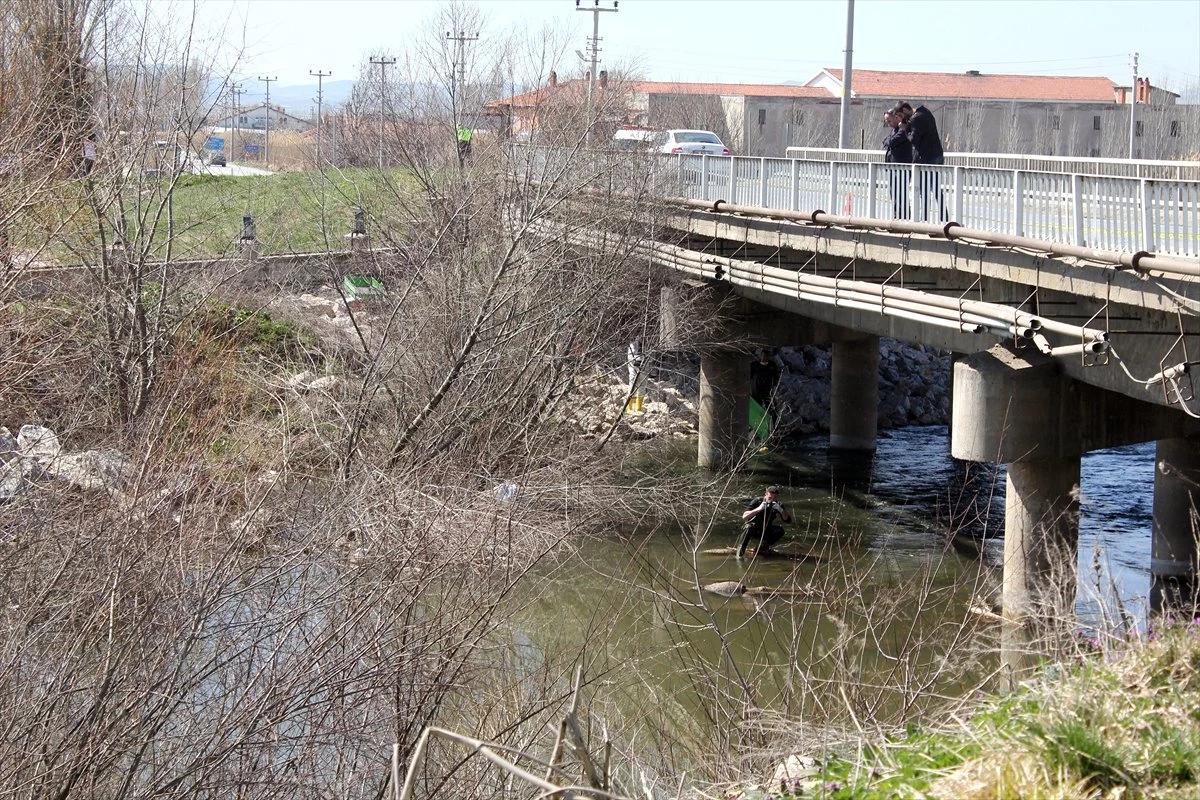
[267,131]
[320,76]
[458,81]
[384,62]
[237,92]
[594,49]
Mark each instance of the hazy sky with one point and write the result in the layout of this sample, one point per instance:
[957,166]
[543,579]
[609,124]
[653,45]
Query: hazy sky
[753,41]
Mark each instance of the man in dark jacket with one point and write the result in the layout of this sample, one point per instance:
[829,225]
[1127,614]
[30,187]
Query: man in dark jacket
[921,129]
[897,149]
[759,518]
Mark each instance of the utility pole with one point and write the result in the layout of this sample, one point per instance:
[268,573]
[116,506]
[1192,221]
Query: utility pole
[320,76]
[267,133]
[844,126]
[594,50]
[458,72]
[1133,105]
[384,62]
[237,92]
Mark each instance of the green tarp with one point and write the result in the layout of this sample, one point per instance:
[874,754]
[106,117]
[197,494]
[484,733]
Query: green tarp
[760,421]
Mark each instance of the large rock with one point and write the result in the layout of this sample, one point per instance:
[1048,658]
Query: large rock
[91,470]
[39,443]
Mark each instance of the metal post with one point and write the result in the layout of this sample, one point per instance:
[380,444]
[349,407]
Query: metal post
[320,76]
[237,92]
[594,50]
[267,132]
[458,76]
[1018,203]
[1080,239]
[844,128]
[1133,104]
[383,62]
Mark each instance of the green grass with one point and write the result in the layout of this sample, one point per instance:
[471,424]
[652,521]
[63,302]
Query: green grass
[1123,724]
[294,212]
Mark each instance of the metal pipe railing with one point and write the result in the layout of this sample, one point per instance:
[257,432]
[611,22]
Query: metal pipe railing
[1141,260]
[971,316]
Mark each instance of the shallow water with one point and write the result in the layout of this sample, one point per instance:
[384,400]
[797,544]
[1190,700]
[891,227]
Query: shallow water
[878,627]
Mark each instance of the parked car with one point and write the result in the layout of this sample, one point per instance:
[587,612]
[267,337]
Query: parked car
[631,137]
[691,142]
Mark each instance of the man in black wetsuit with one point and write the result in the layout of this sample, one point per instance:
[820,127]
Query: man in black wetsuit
[759,518]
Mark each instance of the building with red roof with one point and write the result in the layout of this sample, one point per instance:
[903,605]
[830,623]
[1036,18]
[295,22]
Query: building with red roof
[976,111]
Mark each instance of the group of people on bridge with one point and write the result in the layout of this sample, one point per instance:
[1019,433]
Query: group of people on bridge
[912,138]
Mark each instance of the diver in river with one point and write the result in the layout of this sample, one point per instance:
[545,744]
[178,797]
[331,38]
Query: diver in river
[759,518]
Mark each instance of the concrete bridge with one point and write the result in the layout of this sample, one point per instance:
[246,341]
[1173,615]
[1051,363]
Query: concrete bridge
[1070,301]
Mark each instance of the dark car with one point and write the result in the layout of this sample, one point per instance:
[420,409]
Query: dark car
[218,160]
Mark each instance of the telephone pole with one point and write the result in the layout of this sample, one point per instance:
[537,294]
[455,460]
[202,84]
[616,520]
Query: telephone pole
[320,76]
[458,72]
[594,50]
[844,126]
[1133,105]
[267,132]
[384,62]
[237,92]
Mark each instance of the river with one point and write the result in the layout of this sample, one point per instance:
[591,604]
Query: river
[875,625]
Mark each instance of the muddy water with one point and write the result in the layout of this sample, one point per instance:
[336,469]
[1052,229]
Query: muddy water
[873,618]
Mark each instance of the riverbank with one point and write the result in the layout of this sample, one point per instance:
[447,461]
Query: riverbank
[1120,721]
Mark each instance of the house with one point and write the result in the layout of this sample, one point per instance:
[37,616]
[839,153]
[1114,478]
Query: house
[256,118]
[976,112]
[1059,115]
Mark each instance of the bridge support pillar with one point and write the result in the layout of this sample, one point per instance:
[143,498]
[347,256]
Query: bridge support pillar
[1041,536]
[1016,408]
[724,408]
[854,394]
[1173,551]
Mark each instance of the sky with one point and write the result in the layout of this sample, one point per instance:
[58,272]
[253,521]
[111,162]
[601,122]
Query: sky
[744,41]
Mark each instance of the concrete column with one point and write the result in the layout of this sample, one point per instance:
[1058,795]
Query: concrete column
[724,408]
[1173,551]
[1016,408]
[854,394]
[1041,541]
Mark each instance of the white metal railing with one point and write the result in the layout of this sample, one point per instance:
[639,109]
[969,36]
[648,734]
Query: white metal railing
[1115,167]
[1098,211]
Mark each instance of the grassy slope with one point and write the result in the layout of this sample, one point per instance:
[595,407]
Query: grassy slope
[1121,725]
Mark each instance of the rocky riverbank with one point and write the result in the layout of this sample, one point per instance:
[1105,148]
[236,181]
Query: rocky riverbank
[914,387]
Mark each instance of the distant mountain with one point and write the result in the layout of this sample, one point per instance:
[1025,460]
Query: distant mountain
[301,100]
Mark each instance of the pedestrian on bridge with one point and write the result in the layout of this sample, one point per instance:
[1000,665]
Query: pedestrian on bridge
[761,528]
[922,131]
[897,149]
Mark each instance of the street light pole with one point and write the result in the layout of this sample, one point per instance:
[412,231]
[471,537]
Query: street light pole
[267,133]
[594,49]
[383,63]
[320,76]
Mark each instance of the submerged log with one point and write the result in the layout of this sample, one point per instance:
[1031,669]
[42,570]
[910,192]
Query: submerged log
[739,589]
[752,553]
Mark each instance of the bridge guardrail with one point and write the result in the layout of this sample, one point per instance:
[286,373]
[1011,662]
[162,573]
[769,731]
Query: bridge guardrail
[1094,211]
[1112,213]
[1114,167]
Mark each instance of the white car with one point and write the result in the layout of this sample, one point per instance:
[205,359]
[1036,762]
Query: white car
[630,137]
[691,143]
